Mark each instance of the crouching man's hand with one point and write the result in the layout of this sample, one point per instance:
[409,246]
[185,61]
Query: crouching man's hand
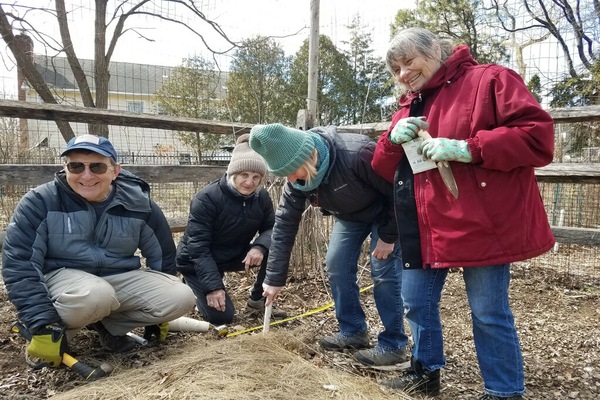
[49,344]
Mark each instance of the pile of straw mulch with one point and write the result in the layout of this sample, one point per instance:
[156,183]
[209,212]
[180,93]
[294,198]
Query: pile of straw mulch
[258,366]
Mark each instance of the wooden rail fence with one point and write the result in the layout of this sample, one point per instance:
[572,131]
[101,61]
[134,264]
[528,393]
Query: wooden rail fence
[33,175]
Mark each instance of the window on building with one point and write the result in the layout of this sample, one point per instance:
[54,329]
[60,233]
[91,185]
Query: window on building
[135,106]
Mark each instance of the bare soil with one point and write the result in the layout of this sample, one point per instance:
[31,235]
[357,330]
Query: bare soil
[557,323]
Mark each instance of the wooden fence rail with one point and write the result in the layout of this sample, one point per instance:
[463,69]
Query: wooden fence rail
[33,175]
[57,112]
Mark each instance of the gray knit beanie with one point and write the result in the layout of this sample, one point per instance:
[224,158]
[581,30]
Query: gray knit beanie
[284,149]
[244,159]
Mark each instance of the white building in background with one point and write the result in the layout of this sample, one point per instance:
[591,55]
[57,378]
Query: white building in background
[131,88]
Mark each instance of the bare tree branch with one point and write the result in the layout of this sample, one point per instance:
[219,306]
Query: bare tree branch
[69,49]
[34,78]
[545,22]
[575,22]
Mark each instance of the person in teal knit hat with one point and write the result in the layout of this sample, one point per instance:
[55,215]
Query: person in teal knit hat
[333,171]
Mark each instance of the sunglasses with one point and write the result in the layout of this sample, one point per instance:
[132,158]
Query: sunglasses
[97,168]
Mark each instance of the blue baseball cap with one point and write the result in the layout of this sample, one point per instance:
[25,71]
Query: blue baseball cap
[97,144]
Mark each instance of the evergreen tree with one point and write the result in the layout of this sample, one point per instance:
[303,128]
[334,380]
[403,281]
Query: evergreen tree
[257,82]
[192,91]
[373,84]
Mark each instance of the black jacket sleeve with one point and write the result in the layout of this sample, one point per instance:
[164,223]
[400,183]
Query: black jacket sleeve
[287,220]
[156,244]
[203,216]
[388,231]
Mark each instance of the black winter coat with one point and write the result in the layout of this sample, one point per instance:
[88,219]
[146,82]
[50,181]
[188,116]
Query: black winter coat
[221,227]
[350,191]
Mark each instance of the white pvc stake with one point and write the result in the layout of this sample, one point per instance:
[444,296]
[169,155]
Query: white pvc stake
[140,340]
[267,320]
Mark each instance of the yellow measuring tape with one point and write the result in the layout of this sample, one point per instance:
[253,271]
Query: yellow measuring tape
[281,321]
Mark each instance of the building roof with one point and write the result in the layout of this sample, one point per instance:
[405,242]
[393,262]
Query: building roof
[125,77]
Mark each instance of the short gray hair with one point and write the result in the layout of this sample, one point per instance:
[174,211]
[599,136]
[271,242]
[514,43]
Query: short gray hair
[412,42]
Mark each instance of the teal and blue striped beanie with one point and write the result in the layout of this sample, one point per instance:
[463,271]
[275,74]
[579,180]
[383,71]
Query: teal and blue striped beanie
[283,149]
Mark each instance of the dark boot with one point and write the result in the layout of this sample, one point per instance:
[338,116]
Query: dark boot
[416,379]
[343,341]
[259,305]
[110,342]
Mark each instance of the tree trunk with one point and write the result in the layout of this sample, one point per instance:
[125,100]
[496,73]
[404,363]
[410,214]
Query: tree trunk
[25,64]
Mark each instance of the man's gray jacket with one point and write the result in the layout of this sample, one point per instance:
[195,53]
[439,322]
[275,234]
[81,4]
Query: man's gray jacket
[53,227]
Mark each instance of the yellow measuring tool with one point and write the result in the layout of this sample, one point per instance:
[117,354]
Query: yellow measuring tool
[281,321]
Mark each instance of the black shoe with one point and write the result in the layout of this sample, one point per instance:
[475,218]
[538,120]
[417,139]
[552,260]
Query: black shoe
[416,379]
[259,305]
[110,342]
[488,396]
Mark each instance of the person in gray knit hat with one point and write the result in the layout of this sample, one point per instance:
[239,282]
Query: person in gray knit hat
[243,158]
[334,172]
[229,229]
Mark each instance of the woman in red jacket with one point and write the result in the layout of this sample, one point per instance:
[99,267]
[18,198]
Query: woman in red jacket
[491,131]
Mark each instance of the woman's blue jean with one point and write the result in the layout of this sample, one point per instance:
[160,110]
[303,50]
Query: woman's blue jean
[494,332]
[345,246]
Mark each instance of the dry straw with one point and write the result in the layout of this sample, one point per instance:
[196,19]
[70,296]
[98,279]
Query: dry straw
[259,366]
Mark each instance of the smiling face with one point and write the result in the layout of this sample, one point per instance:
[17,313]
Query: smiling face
[92,187]
[415,71]
[247,182]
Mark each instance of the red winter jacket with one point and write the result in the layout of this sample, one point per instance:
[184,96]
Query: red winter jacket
[499,216]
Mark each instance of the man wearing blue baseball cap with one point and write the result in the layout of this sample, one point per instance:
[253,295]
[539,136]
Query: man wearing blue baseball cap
[69,258]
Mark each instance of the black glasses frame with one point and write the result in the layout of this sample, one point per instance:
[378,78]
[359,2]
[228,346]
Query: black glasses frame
[76,167]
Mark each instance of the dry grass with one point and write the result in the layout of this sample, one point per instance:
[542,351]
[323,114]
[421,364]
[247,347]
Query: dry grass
[259,366]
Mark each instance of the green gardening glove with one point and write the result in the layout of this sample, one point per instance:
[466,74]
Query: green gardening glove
[444,149]
[406,129]
[159,331]
[49,344]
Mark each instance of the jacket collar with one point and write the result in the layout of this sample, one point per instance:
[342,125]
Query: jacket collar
[132,192]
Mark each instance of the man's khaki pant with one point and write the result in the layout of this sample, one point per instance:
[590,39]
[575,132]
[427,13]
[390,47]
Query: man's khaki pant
[122,301]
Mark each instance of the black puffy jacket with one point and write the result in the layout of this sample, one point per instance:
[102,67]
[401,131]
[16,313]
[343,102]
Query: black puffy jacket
[350,191]
[221,227]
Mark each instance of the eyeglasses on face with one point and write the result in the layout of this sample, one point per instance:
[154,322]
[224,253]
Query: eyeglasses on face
[97,168]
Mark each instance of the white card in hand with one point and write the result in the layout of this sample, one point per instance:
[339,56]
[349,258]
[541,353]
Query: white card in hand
[416,160]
